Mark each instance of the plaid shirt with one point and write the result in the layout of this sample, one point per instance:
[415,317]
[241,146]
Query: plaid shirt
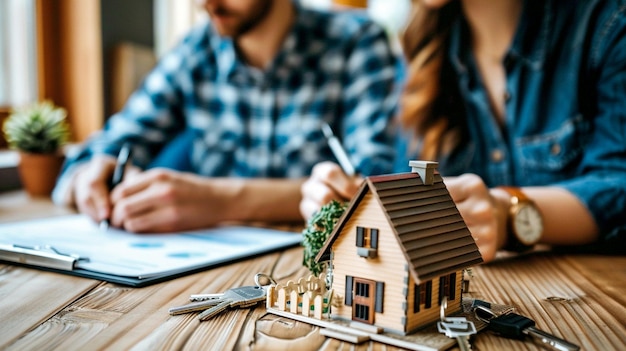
[247,122]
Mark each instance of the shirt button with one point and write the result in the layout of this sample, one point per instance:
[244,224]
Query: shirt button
[497,155]
[555,149]
[507,96]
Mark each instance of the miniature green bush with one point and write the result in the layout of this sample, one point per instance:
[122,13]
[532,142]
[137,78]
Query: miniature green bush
[38,128]
[318,229]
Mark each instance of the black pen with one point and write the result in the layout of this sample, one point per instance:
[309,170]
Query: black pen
[338,151]
[123,159]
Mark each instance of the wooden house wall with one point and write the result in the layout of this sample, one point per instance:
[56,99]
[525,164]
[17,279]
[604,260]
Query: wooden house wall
[427,316]
[389,266]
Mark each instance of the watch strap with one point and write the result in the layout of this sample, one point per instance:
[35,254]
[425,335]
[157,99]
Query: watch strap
[517,195]
[512,241]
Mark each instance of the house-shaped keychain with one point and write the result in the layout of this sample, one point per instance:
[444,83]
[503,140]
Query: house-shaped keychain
[399,248]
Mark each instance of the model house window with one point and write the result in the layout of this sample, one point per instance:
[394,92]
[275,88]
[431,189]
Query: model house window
[367,242]
[447,287]
[428,295]
[422,295]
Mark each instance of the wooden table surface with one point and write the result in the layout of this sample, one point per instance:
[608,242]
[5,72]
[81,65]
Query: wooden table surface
[580,297]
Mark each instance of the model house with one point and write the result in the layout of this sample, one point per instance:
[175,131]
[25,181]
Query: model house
[398,249]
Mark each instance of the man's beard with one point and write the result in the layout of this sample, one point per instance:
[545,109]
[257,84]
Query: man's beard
[244,24]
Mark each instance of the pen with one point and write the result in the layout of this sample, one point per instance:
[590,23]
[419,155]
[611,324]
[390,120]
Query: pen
[123,159]
[338,150]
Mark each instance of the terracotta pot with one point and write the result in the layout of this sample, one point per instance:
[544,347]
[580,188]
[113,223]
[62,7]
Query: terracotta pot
[39,172]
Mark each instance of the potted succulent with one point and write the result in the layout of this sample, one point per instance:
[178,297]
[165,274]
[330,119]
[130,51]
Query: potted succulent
[38,132]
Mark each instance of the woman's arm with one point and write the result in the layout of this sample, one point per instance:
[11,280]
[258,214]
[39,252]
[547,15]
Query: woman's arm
[566,221]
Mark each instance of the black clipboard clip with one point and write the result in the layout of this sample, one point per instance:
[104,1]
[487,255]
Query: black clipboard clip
[40,256]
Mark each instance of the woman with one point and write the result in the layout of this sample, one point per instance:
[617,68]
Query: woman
[525,94]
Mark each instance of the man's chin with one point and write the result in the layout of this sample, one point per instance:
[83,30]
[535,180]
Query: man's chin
[225,31]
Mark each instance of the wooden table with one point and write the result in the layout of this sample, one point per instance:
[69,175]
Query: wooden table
[579,297]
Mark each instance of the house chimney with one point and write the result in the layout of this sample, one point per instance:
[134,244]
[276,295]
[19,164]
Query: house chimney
[425,169]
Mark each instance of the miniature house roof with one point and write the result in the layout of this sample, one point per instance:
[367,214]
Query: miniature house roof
[424,219]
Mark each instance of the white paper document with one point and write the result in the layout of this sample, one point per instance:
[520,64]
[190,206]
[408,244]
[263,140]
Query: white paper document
[142,256]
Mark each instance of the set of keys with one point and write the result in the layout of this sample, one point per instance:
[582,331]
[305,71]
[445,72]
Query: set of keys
[210,305]
[508,325]
[515,326]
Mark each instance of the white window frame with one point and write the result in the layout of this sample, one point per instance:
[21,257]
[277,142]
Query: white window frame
[18,53]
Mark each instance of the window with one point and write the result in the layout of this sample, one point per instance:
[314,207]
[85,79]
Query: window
[447,287]
[173,19]
[367,242]
[18,66]
[419,296]
[428,295]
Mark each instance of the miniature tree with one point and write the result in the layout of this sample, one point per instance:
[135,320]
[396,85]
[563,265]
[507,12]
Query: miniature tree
[317,231]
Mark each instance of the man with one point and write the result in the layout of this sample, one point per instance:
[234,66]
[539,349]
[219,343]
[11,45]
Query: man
[247,94]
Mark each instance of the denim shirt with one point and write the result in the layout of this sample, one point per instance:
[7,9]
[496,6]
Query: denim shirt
[565,122]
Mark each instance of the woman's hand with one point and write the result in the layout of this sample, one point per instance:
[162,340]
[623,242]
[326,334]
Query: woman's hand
[484,212]
[327,182]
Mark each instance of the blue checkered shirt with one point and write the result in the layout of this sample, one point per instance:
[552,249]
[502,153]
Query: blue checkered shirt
[246,122]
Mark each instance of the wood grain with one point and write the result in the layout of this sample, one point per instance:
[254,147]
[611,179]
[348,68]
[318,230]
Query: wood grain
[578,297]
[28,300]
[561,294]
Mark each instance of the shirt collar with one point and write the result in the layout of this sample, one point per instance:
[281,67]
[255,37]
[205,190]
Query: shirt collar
[229,63]
[529,45]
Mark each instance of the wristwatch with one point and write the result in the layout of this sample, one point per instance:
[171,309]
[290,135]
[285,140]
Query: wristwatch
[525,222]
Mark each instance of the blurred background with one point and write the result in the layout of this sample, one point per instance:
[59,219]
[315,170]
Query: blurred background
[88,55]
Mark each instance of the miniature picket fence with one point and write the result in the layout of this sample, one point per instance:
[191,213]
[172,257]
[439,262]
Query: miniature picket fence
[308,297]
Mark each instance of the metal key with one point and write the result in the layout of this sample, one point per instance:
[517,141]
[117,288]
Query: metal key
[458,328]
[205,297]
[213,304]
[241,297]
[195,306]
[245,296]
[513,325]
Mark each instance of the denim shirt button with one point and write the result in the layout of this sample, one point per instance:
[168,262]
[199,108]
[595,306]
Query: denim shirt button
[555,149]
[497,155]
[507,96]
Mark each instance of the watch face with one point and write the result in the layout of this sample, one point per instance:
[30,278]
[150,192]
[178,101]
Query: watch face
[528,225]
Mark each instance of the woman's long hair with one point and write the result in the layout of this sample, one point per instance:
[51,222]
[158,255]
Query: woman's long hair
[424,44]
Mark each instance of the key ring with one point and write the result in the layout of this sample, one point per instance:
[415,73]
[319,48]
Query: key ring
[442,309]
[486,310]
[263,275]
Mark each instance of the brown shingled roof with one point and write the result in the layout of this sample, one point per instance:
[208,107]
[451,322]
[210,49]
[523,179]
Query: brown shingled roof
[425,220]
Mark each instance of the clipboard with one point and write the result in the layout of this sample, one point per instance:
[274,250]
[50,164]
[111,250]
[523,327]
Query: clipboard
[75,245]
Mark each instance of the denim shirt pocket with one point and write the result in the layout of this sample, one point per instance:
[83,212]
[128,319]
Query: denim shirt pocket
[550,157]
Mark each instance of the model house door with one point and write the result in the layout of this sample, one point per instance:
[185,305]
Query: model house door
[364,299]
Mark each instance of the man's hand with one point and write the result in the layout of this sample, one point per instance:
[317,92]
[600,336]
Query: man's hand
[484,213]
[90,192]
[162,200]
[327,182]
